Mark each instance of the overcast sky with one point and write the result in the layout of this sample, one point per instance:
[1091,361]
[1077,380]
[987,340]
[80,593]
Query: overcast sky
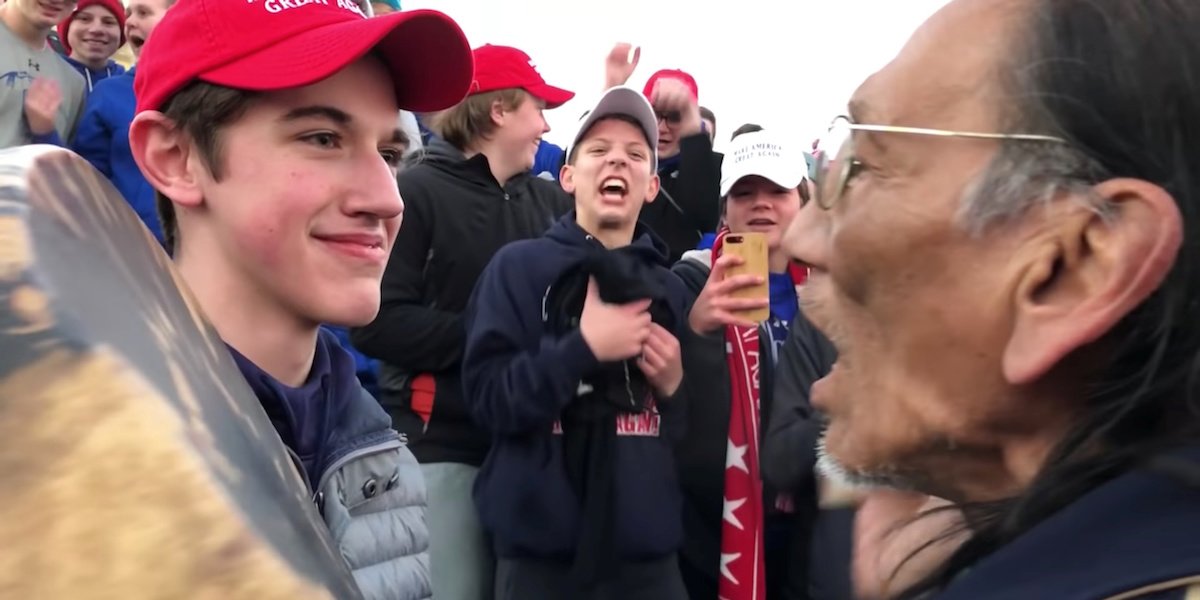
[785,64]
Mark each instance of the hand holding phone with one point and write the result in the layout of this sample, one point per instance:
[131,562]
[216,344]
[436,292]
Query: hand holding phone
[752,248]
[737,293]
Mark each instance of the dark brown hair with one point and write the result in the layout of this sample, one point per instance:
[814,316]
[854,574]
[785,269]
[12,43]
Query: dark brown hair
[201,110]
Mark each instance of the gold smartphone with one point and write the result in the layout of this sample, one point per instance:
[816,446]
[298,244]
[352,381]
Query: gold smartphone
[752,247]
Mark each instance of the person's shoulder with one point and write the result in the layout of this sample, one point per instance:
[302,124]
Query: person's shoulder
[113,85]
[519,252]
[68,73]
[424,176]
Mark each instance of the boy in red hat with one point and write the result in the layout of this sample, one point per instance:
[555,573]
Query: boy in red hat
[103,133]
[268,128]
[41,96]
[472,194]
[688,205]
[91,35]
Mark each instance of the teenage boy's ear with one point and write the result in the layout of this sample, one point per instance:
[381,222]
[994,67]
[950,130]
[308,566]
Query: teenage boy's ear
[166,156]
[498,113]
[566,178]
[652,188]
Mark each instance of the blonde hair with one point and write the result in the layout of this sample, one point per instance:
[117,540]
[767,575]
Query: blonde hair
[471,120]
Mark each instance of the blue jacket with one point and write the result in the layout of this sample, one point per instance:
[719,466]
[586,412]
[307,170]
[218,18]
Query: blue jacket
[102,137]
[549,159]
[1132,533]
[518,378]
[365,482]
[95,76]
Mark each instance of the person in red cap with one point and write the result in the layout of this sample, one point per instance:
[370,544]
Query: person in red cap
[91,35]
[472,194]
[268,128]
[688,206]
[41,96]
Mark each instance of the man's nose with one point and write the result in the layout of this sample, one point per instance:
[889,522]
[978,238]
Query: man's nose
[807,238]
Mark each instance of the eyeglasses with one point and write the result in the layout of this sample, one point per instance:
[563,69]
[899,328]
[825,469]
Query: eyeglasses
[835,152]
[672,117]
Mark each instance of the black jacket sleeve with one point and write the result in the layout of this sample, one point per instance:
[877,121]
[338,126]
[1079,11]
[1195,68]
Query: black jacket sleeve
[790,445]
[408,333]
[699,182]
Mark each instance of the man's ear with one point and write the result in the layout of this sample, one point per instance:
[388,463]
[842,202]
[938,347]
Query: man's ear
[1088,272]
[166,157]
[566,178]
[652,188]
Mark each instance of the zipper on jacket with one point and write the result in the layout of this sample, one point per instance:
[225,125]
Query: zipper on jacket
[628,385]
[392,444]
[299,464]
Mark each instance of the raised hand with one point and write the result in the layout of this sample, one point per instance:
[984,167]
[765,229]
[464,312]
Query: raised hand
[42,100]
[672,96]
[618,67]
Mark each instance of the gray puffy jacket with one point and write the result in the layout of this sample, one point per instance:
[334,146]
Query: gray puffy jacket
[372,497]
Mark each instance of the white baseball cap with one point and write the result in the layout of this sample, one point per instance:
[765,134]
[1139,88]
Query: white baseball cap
[766,155]
[622,100]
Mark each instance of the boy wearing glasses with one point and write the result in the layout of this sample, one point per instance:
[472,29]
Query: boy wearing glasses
[738,538]
[688,205]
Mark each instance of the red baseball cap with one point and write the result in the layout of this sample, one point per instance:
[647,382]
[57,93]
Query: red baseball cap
[113,6]
[688,80]
[266,45]
[503,67]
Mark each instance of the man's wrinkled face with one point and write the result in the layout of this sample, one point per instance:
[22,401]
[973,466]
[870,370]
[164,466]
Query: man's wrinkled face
[307,207]
[918,309]
[43,14]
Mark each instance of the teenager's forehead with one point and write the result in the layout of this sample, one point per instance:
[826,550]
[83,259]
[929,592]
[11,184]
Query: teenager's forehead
[615,128]
[151,4]
[360,94]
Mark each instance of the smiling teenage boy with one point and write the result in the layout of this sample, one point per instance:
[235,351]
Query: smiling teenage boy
[269,131]
[91,35]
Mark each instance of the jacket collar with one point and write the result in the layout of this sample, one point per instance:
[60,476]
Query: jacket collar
[1137,530]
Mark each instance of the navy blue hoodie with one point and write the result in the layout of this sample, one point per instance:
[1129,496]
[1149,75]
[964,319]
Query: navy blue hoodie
[518,378]
[315,419]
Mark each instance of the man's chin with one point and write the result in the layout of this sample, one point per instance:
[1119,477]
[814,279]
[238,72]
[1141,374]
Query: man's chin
[832,468]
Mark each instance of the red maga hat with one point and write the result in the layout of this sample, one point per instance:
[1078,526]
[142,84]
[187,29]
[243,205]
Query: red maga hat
[503,67]
[687,79]
[266,45]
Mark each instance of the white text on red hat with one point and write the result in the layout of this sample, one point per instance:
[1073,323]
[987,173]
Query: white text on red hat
[278,6]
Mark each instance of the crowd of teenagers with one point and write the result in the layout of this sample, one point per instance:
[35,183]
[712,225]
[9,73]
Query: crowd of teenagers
[978,374]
